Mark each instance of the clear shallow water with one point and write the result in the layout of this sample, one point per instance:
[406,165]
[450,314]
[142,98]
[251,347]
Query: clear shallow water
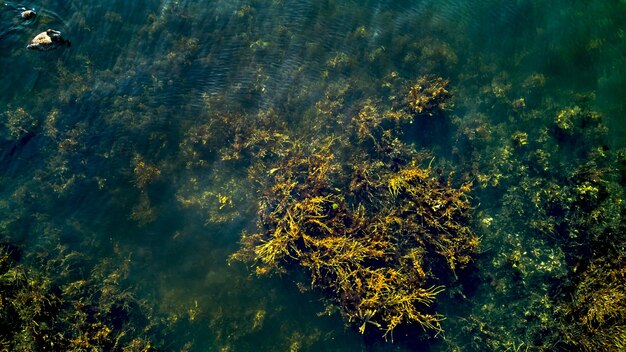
[140,75]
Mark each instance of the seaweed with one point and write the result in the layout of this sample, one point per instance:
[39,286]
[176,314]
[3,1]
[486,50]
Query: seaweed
[378,233]
[46,306]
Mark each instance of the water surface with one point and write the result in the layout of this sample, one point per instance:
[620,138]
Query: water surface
[79,122]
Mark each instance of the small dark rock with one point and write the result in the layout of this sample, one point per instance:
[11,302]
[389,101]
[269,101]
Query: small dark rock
[28,14]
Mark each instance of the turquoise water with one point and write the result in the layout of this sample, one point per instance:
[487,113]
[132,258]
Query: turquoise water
[101,144]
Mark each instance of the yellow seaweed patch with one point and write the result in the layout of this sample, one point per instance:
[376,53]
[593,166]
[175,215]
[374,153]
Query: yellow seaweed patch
[371,232]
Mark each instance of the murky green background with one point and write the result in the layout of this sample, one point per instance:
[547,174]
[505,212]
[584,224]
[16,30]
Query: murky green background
[140,74]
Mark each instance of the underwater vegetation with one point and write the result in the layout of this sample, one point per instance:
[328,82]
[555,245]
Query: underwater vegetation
[594,318]
[369,221]
[559,225]
[401,175]
[47,304]
[429,93]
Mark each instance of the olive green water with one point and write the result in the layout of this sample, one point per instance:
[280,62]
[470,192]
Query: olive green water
[115,150]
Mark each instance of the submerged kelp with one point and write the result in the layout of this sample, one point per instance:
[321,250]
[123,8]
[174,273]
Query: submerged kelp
[594,317]
[367,219]
[559,228]
[55,302]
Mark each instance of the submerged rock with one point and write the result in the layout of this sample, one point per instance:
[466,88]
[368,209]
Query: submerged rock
[28,14]
[48,40]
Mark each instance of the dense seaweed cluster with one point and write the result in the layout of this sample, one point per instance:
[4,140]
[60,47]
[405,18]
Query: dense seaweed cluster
[594,317]
[429,94]
[370,222]
[559,224]
[48,305]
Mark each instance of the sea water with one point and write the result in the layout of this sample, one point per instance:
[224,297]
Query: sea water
[82,125]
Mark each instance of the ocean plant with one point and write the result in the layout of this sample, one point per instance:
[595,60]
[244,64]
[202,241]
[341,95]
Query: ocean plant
[45,305]
[18,123]
[561,276]
[595,318]
[373,228]
[377,255]
[429,94]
